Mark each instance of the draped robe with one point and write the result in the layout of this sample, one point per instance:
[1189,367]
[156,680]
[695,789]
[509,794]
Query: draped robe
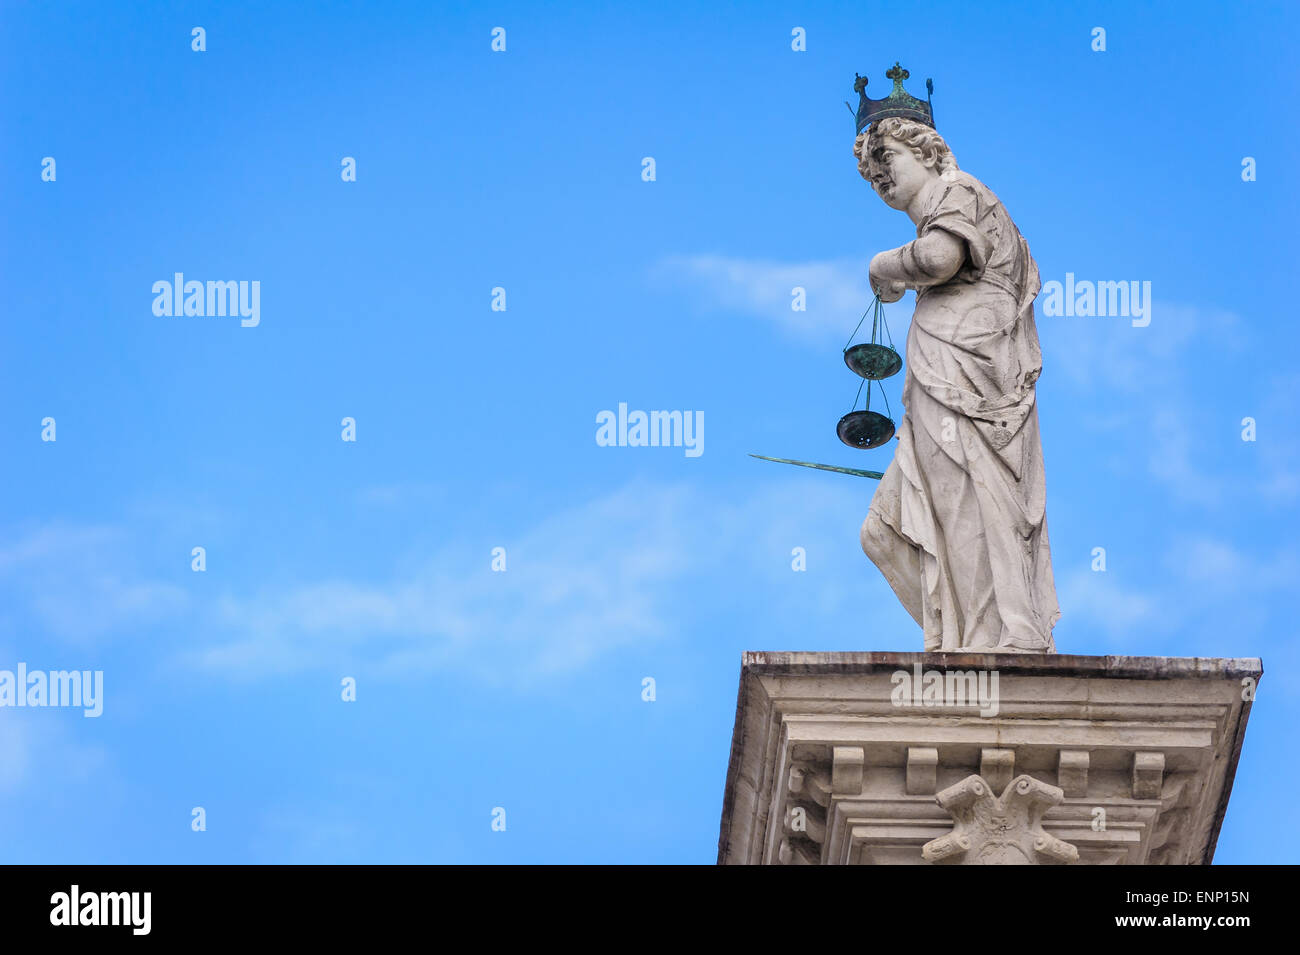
[958,523]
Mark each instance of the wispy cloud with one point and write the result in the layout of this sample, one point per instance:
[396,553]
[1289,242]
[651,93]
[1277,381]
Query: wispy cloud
[837,291]
[1277,441]
[80,582]
[36,747]
[1148,378]
[578,583]
[1203,591]
[1214,568]
[1111,353]
[620,570]
[1099,598]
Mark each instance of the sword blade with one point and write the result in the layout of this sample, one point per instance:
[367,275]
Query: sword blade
[857,472]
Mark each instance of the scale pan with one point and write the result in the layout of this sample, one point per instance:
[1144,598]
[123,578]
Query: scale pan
[872,361]
[864,429]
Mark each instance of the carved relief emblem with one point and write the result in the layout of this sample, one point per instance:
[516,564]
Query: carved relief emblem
[993,830]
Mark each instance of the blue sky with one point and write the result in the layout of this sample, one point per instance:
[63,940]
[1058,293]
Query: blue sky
[475,428]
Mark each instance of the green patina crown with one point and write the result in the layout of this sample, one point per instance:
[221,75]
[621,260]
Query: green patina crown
[898,103]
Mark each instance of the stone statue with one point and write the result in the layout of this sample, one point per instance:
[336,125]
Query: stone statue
[958,524]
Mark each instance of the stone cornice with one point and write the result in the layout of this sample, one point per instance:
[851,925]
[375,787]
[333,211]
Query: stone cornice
[1149,743]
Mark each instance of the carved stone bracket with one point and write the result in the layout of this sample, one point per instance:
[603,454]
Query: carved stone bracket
[999,830]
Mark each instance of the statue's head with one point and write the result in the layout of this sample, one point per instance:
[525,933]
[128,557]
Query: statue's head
[899,157]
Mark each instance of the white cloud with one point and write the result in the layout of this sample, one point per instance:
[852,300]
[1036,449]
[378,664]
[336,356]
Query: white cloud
[36,748]
[1098,597]
[80,582]
[308,834]
[1108,353]
[625,569]
[1277,440]
[1203,595]
[614,572]
[15,754]
[1172,458]
[576,584]
[1213,568]
[1150,371]
[837,291]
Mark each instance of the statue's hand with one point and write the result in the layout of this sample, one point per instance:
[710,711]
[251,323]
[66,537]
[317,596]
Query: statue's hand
[887,289]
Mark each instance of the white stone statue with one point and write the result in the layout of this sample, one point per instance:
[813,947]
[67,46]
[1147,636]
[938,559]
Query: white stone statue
[957,524]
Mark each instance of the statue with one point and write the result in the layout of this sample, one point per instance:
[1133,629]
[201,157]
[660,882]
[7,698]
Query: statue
[958,524]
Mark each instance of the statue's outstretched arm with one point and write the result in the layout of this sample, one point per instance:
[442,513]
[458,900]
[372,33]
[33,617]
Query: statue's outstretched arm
[932,259]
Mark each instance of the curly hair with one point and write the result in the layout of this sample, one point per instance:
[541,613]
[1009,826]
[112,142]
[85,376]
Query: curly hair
[927,145]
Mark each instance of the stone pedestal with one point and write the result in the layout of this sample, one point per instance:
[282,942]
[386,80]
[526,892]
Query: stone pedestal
[971,758]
